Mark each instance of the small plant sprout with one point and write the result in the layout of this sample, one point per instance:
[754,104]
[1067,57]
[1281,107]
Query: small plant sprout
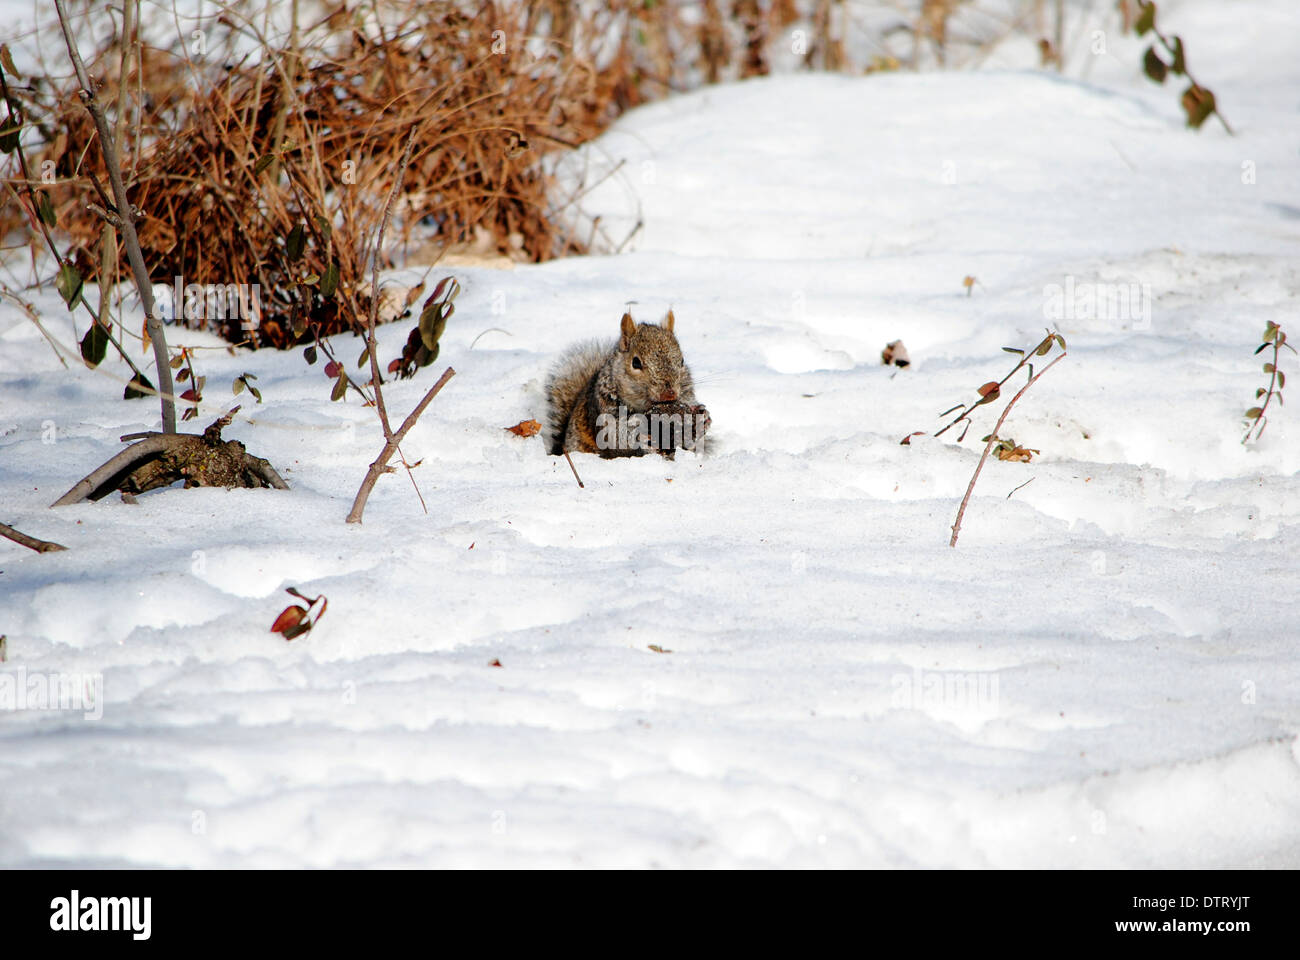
[1275,337]
[183,364]
[1006,449]
[990,391]
[1198,102]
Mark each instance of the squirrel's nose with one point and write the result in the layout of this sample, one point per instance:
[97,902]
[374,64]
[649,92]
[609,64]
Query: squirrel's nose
[666,395]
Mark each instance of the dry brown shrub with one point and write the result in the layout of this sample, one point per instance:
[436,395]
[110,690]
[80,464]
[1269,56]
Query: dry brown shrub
[272,169]
[223,195]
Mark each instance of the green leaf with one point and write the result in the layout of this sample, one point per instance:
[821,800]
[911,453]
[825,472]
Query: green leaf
[137,388]
[340,387]
[1146,19]
[433,320]
[1270,331]
[263,162]
[1154,67]
[1014,350]
[1269,368]
[1179,66]
[365,356]
[295,242]
[325,227]
[238,386]
[94,345]
[310,355]
[69,284]
[330,281]
[1281,379]
[1253,413]
[45,210]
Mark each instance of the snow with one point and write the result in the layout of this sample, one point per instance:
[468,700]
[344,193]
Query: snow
[1103,673]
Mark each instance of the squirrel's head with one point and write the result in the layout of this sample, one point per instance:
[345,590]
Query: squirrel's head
[652,362]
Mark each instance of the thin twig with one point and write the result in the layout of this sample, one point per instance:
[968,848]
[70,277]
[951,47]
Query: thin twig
[1278,341]
[32,315]
[1025,484]
[40,546]
[1172,51]
[380,465]
[1026,359]
[112,160]
[581,485]
[373,315]
[993,437]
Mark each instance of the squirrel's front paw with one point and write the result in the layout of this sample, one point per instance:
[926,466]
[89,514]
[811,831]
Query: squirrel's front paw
[699,425]
[676,424]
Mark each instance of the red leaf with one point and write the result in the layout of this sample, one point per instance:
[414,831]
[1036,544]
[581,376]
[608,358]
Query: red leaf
[190,395]
[525,428]
[332,369]
[288,619]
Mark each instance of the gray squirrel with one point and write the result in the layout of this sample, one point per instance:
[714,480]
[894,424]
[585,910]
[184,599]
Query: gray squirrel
[626,398]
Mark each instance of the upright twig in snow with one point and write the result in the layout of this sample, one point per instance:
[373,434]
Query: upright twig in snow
[128,215]
[392,440]
[62,261]
[993,438]
[373,316]
[380,466]
[992,390]
[1275,336]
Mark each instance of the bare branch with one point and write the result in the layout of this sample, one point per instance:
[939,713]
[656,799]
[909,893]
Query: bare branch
[380,465]
[40,546]
[392,440]
[121,464]
[993,438]
[112,160]
[373,317]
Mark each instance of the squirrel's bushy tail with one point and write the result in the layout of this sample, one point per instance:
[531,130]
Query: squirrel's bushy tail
[568,385]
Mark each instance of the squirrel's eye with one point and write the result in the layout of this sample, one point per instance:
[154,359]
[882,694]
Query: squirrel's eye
[636,363]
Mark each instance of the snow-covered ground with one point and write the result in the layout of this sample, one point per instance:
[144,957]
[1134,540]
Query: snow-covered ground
[1104,672]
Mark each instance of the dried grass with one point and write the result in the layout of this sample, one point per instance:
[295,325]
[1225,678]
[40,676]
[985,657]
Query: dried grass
[271,169]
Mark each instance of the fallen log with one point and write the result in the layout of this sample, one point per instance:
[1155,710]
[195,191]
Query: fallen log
[161,459]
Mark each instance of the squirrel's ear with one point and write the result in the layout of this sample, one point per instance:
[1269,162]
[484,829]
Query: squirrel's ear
[627,328]
[668,321]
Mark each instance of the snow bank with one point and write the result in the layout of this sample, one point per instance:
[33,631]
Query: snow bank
[1103,673]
